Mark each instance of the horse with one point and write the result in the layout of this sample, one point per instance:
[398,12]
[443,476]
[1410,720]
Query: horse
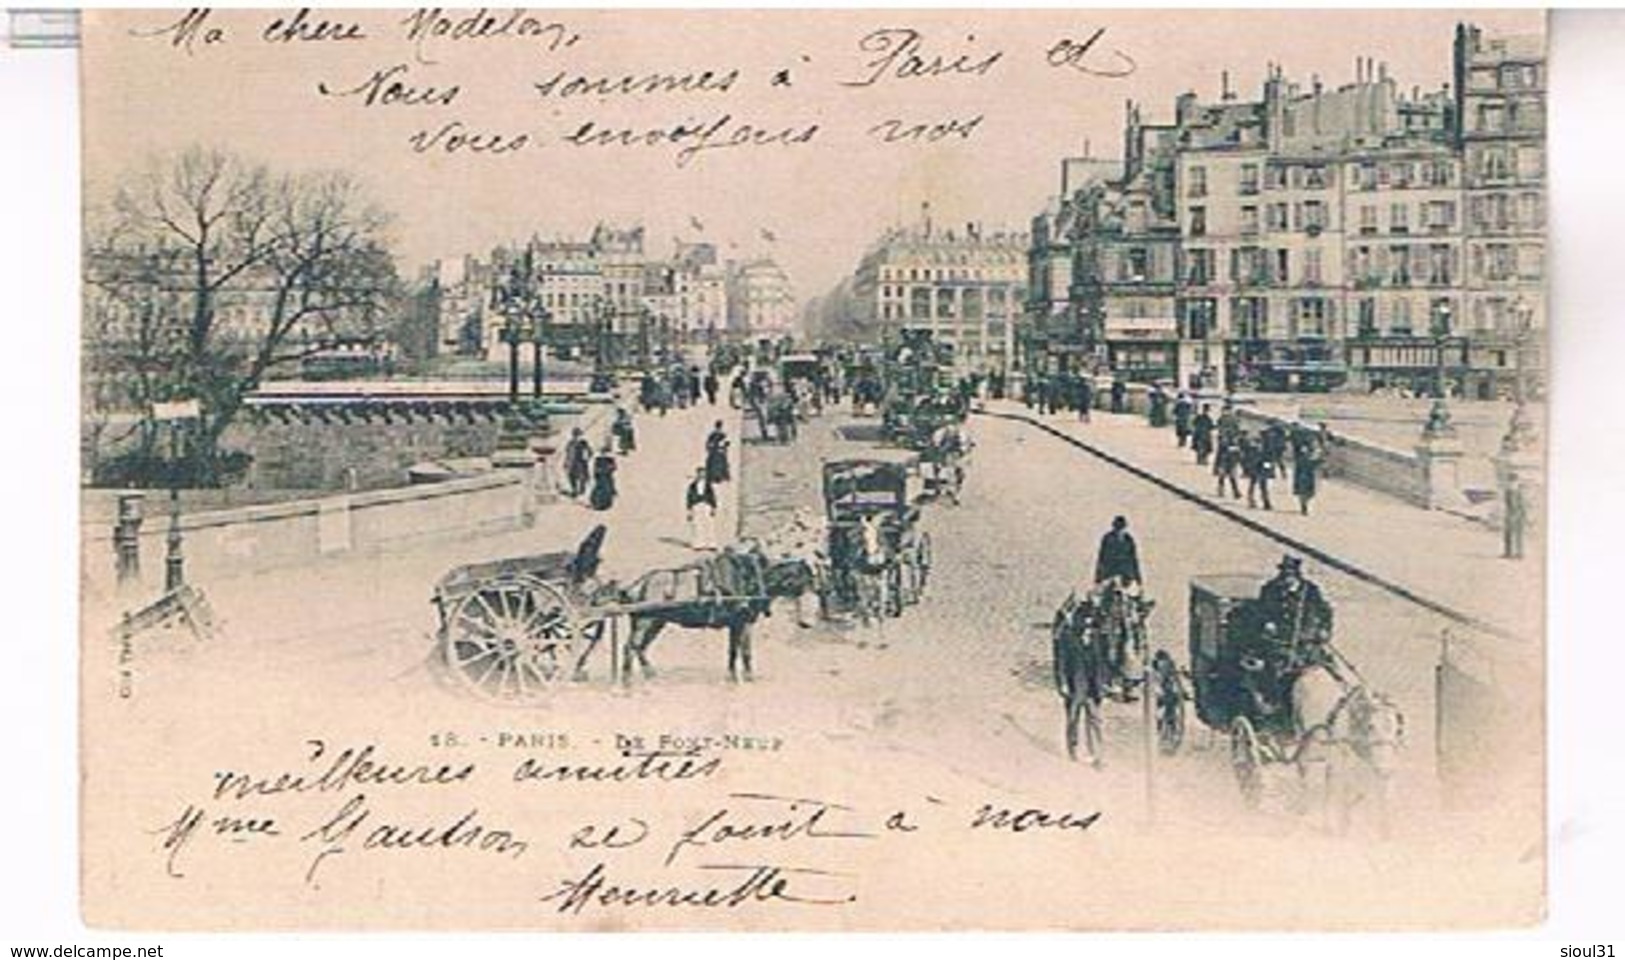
[1082,670]
[1122,617]
[1345,729]
[731,590]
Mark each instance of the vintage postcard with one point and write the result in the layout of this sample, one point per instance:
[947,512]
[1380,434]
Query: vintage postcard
[846,470]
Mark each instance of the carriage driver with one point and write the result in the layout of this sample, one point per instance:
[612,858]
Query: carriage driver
[1301,617]
[1119,558]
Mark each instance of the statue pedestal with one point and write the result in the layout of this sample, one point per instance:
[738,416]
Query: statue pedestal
[541,478]
[1441,455]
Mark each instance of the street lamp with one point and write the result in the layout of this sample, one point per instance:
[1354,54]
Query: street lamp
[1520,433]
[520,306]
[1441,342]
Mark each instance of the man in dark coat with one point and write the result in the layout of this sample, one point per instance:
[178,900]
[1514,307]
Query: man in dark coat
[577,462]
[1301,615]
[1182,418]
[696,384]
[1227,463]
[711,386]
[1305,467]
[1118,557]
[716,454]
[1119,396]
[1202,435]
[1085,398]
[1260,470]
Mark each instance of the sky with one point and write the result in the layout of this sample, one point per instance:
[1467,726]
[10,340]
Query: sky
[994,100]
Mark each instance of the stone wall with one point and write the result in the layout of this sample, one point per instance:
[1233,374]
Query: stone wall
[320,456]
[249,539]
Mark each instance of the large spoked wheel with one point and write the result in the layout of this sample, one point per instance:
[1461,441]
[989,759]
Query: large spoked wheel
[1247,760]
[1170,712]
[512,637]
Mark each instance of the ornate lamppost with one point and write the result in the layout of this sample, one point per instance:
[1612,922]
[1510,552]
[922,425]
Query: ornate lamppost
[520,305]
[1438,421]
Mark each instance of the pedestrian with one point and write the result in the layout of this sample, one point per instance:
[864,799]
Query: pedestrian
[577,462]
[736,391]
[1182,418]
[1119,396]
[1225,464]
[1515,521]
[1305,466]
[716,454]
[1157,407]
[1274,444]
[625,435]
[1229,422]
[603,481]
[1085,398]
[711,385]
[1260,469]
[1118,558]
[696,385]
[1202,435]
[701,504]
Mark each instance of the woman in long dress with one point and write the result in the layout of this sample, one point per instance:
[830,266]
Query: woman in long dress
[603,481]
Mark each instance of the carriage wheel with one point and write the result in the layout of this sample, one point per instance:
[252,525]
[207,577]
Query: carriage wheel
[1247,760]
[512,637]
[1170,714]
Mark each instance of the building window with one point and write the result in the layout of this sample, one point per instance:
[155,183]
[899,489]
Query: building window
[1441,215]
[1499,261]
[1249,221]
[1368,218]
[1275,177]
[1196,182]
[1310,316]
[1198,318]
[1492,163]
[1365,176]
[1311,267]
[1399,266]
[1491,117]
[1277,217]
[1399,218]
[1441,261]
[1531,212]
[1199,267]
[1531,261]
[1249,179]
[1139,264]
[1366,317]
[1198,221]
[1399,317]
[1312,217]
[1251,317]
[1531,163]
[1282,274]
[1314,177]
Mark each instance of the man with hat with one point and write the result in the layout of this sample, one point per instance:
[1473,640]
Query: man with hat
[1300,614]
[1119,558]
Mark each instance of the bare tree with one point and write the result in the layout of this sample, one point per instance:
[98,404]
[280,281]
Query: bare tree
[237,270]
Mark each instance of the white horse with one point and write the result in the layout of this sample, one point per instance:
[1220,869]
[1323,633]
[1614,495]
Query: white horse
[1349,740]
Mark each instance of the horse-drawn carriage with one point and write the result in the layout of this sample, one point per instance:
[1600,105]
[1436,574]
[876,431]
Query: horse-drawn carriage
[1287,699]
[512,629]
[879,557]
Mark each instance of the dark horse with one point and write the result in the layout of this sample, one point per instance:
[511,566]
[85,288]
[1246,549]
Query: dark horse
[728,590]
[1082,669]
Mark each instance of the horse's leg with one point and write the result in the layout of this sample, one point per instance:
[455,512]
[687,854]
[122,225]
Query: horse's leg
[1091,710]
[739,637]
[1074,705]
[641,650]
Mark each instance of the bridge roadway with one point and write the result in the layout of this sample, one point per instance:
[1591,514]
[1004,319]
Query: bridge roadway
[965,674]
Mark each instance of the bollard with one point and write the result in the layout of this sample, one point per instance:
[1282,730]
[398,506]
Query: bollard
[174,561]
[127,537]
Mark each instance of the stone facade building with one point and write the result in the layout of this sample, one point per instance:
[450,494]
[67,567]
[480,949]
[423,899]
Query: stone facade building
[1358,236]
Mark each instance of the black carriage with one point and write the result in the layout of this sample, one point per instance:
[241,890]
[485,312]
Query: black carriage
[877,491]
[1244,675]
